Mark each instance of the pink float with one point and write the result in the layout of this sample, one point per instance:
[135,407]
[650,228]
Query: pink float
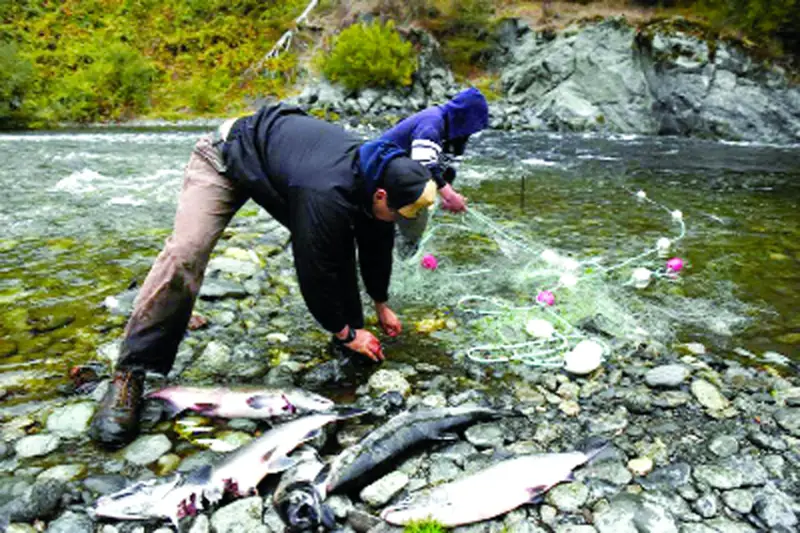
[675,264]
[546,297]
[429,262]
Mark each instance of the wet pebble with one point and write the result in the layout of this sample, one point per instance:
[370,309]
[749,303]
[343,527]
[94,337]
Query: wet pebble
[609,422]
[381,491]
[442,469]
[105,484]
[766,442]
[789,420]
[640,466]
[340,505]
[389,380]
[719,476]
[611,472]
[774,508]
[488,435]
[724,446]
[706,505]
[361,520]
[626,512]
[21,528]
[63,472]
[669,477]
[739,500]
[775,465]
[575,528]
[36,445]
[457,452]
[568,497]
[39,500]
[666,376]
[240,515]
[709,396]
[147,449]
[71,522]
[672,399]
[71,420]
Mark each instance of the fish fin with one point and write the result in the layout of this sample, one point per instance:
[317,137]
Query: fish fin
[171,408]
[322,475]
[328,518]
[343,413]
[591,447]
[281,464]
[571,476]
[259,401]
[311,435]
[200,475]
[446,437]
[536,494]
[203,407]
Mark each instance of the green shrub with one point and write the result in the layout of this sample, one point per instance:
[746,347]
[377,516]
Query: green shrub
[463,28]
[14,83]
[759,19]
[370,55]
[111,80]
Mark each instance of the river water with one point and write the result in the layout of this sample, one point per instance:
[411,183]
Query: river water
[83,213]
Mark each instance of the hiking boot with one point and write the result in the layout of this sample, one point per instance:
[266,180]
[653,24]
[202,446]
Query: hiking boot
[116,422]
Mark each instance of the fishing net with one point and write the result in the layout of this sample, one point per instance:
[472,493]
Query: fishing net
[514,298]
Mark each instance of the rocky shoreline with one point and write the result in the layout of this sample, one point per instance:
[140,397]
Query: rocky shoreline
[700,444]
[663,78]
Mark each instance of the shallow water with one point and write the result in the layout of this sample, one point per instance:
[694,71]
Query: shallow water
[84,213]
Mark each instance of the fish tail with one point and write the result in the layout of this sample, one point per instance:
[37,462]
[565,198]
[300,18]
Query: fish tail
[595,448]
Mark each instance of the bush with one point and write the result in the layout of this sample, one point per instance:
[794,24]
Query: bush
[370,55]
[114,81]
[14,83]
[760,19]
[463,28]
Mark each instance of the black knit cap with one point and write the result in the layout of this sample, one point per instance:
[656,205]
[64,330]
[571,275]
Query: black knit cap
[404,180]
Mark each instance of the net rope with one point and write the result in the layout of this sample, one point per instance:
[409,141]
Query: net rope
[491,277]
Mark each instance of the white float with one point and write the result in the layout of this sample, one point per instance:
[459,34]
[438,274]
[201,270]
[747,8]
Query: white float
[540,328]
[640,277]
[584,358]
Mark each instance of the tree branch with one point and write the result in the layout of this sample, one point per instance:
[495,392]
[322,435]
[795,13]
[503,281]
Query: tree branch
[283,43]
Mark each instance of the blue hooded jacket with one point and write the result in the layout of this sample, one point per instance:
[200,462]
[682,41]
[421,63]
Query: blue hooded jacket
[465,114]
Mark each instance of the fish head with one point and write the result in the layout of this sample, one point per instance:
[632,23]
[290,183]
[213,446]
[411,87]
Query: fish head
[305,401]
[140,501]
[301,509]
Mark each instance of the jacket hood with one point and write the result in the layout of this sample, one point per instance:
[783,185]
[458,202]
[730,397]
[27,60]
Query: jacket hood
[466,113]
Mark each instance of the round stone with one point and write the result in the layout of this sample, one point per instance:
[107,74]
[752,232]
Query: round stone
[389,380]
[641,466]
[724,446]
[36,445]
[147,448]
[666,376]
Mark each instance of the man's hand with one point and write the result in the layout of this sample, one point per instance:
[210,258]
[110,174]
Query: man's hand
[451,200]
[389,322]
[365,343]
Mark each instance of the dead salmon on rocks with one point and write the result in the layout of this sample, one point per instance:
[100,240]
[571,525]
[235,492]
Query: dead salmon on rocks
[359,464]
[238,474]
[491,492]
[241,403]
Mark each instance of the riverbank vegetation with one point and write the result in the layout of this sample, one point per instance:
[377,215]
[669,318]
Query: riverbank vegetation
[96,60]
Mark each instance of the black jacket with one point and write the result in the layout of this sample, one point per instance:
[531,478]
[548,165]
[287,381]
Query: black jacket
[304,172]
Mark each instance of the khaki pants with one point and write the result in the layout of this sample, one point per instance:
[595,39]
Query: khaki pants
[207,202]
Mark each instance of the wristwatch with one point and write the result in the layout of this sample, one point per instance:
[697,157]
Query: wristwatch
[351,336]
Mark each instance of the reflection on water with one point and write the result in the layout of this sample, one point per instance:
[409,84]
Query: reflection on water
[83,214]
